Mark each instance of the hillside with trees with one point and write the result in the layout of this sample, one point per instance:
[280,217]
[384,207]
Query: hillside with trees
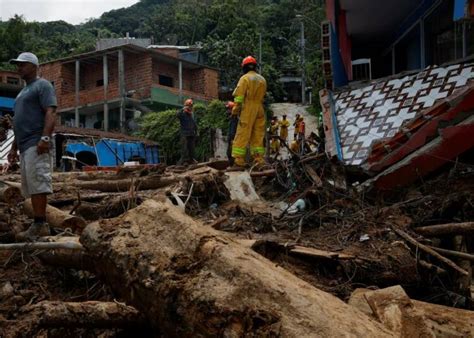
[226,29]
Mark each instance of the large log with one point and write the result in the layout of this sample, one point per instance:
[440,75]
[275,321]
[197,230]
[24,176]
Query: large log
[142,183]
[57,218]
[446,229]
[191,280]
[10,195]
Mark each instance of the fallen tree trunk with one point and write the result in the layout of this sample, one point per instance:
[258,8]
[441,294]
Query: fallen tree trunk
[57,218]
[446,229]
[142,183]
[91,314]
[11,195]
[66,257]
[208,284]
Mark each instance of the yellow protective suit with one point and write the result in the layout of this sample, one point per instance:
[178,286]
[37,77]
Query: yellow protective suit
[284,124]
[248,98]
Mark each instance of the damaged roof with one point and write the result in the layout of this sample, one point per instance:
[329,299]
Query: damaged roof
[87,132]
[381,110]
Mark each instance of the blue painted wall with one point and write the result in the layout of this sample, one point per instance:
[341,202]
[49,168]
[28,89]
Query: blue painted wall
[113,153]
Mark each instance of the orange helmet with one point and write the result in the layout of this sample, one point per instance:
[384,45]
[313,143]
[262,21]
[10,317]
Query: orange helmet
[188,102]
[230,104]
[249,60]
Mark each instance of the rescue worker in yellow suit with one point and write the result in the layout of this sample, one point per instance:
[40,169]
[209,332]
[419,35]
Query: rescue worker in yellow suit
[275,142]
[248,98]
[284,125]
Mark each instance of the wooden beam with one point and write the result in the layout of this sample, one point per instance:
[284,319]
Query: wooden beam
[446,229]
[430,251]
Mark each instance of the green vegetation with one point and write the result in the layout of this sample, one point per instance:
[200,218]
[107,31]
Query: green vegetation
[228,30]
[163,127]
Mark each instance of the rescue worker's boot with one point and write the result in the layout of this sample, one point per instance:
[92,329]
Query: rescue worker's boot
[34,231]
[259,163]
[239,164]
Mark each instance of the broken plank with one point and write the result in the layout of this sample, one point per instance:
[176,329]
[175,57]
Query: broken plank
[316,253]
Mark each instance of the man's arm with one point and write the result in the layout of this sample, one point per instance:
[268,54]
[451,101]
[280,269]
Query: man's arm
[49,122]
[239,96]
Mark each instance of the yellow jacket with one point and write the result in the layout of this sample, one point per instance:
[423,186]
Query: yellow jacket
[284,124]
[250,92]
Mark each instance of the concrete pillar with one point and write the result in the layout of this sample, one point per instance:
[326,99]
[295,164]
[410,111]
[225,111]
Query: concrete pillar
[121,74]
[77,89]
[106,86]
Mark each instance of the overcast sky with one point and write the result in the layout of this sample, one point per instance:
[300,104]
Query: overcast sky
[72,11]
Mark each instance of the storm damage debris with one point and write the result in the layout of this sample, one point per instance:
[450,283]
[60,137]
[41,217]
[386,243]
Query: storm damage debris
[236,253]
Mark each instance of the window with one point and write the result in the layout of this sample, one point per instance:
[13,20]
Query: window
[13,80]
[99,83]
[165,80]
[442,39]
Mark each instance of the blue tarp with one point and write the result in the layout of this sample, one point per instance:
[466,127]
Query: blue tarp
[112,153]
[7,102]
[459,9]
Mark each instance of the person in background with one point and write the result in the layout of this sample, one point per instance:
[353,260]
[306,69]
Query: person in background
[275,142]
[284,125]
[233,123]
[188,132]
[33,125]
[297,126]
[301,129]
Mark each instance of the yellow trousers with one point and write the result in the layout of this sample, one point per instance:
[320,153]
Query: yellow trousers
[284,133]
[251,130]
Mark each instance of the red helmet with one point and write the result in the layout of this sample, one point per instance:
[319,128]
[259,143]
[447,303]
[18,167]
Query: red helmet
[188,102]
[230,104]
[249,60]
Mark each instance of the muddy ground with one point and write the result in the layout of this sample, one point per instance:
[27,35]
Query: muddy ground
[336,219]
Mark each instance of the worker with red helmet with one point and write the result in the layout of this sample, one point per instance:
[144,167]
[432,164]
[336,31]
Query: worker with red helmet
[233,122]
[248,98]
[188,132]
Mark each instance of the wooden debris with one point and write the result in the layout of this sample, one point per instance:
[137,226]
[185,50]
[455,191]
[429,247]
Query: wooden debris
[218,222]
[316,253]
[157,252]
[428,250]
[443,321]
[10,194]
[453,253]
[57,218]
[446,229]
[395,310]
[57,314]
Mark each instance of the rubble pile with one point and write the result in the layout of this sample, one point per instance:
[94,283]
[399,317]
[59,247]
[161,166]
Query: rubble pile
[238,253]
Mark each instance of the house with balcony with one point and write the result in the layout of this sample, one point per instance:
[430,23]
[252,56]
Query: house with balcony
[399,74]
[108,88]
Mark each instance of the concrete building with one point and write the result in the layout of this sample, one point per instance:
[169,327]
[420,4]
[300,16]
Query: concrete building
[108,88]
[399,97]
